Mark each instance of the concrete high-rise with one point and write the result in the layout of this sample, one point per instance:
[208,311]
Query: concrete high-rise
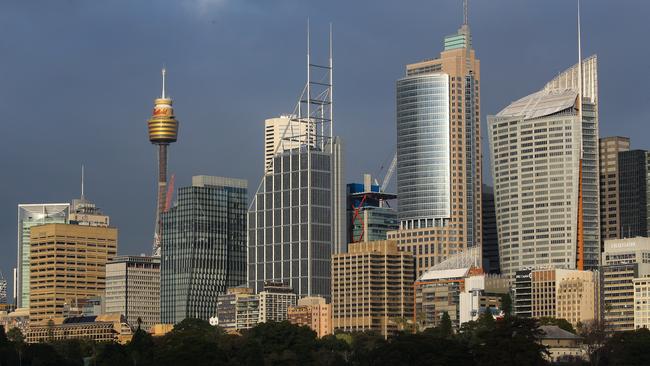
[633,191]
[133,289]
[30,215]
[163,130]
[203,247]
[296,220]
[372,287]
[275,301]
[68,264]
[439,153]
[610,210]
[544,154]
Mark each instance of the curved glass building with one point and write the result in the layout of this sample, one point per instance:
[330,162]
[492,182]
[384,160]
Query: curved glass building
[423,171]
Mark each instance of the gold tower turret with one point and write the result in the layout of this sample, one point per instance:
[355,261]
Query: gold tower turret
[163,130]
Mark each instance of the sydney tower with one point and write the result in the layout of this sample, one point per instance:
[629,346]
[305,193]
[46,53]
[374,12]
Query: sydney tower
[163,130]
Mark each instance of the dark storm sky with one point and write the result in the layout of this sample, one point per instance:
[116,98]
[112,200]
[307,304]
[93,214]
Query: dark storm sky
[78,79]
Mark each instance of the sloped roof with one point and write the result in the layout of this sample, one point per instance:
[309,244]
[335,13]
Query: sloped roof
[542,103]
[555,332]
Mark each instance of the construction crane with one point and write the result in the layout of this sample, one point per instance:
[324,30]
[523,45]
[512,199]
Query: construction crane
[389,174]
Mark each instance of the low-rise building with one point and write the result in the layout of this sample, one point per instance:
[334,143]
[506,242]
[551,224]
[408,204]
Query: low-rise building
[642,302]
[557,293]
[561,344]
[102,328]
[482,294]
[437,290]
[274,302]
[623,261]
[313,312]
[238,309]
[18,318]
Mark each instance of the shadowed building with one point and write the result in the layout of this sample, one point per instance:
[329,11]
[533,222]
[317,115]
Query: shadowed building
[610,210]
[203,247]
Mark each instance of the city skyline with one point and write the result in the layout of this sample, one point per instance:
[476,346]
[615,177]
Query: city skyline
[128,195]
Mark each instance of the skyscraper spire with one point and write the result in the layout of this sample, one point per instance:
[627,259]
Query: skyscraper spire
[465,13]
[82,181]
[164,75]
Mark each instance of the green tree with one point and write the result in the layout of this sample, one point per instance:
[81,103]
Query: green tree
[593,338]
[506,304]
[192,342]
[283,343]
[627,348]
[141,348]
[111,354]
[8,355]
[513,341]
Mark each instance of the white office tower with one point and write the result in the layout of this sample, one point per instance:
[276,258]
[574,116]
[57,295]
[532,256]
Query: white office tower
[544,153]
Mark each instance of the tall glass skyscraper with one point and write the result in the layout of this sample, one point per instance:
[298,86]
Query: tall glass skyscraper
[438,154]
[203,247]
[633,191]
[544,153]
[32,215]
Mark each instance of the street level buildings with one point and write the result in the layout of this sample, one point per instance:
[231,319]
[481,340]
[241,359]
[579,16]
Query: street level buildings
[439,154]
[558,293]
[275,301]
[372,285]
[67,264]
[544,153]
[610,210]
[313,312]
[203,247]
[624,260]
[31,215]
[102,328]
[238,309]
[482,293]
[133,289]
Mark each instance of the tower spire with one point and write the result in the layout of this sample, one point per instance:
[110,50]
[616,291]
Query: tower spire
[164,75]
[465,13]
[82,181]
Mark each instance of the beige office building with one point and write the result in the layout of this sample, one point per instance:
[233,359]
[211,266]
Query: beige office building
[439,154]
[133,289]
[313,312]
[68,263]
[281,134]
[609,196]
[641,302]
[372,284]
[275,301]
[558,293]
[624,260]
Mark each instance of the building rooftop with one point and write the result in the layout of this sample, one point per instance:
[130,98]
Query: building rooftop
[540,104]
[555,332]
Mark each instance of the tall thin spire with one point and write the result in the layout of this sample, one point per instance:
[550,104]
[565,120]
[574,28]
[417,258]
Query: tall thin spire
[82,181]
[579,58]
[164,75]
[465,13]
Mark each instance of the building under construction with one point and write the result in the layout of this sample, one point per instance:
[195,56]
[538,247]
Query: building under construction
[370,217]
[163,130]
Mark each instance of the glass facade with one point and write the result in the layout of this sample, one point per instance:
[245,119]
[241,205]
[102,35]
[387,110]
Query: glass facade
[633,193]
[203,247]
[291,232]
[374,220]
[423,171]
[32,215]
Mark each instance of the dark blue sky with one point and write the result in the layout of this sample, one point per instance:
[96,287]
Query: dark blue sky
[78,79]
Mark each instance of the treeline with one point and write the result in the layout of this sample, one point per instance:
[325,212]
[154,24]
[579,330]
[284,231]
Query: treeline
[510,341]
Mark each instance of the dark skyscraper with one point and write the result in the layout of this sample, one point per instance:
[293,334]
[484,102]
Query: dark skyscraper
[203,247]
[490,240]
[633,192]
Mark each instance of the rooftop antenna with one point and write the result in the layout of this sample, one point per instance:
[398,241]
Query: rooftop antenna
[164,75]
[465,13]
[82,181]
